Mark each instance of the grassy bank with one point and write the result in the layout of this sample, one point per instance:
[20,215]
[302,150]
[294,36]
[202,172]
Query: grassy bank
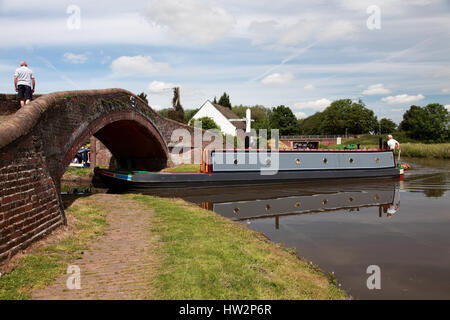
[42,265]
[74,173]
[205,256]
[422,150]
[185,168]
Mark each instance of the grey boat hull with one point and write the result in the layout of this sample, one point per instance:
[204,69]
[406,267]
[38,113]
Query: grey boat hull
[192,180]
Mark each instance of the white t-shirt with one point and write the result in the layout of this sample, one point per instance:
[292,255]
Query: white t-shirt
[391,143]
[391,209]
[24,76]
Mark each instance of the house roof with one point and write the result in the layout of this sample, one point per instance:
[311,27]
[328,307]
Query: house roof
[229,114]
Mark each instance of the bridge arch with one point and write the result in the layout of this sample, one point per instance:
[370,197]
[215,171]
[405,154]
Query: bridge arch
[38,142]
[134,141]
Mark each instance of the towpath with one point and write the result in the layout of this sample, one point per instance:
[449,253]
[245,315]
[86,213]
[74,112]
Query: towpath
[121,263]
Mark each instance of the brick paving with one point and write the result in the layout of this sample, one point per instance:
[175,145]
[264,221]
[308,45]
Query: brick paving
[120,264]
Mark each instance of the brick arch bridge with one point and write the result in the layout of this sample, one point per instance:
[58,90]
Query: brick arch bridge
[38,142]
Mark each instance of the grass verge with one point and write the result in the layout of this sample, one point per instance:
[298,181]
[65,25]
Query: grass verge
[409,147]
[205,256]
[74,172]
[184,168]
[43,264]
[422,150]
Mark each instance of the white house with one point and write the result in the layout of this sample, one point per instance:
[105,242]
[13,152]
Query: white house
[223,116]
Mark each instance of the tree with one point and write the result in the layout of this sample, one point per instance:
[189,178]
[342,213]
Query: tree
[429,124]
[143,96]
[207,123]
[259,114]
[170,113]
[283,118]
[164,112]
[342,116]
[188,114]
[215,100]
[225,100]
[177,113]
[311,124]
[439,118]
[387,125]
[346,116]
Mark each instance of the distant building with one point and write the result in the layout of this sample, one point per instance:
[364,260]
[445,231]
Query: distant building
[222,116]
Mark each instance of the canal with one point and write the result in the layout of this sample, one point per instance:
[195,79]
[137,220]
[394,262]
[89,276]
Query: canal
[345,226]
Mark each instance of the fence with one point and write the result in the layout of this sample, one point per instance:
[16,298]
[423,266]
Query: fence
[311,137]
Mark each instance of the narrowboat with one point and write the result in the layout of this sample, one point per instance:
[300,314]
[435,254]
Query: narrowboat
[237,167]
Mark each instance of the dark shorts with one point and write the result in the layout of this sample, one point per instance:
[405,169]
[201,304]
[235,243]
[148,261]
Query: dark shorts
[24,92]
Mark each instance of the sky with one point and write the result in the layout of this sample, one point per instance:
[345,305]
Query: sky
[302,54]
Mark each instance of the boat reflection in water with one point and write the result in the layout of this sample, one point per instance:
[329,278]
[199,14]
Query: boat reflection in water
[274,201]
[385,200]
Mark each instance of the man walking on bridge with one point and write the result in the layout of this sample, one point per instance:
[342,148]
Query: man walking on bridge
[24,83]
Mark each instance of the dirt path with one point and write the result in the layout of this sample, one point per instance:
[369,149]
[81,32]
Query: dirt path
[121,263]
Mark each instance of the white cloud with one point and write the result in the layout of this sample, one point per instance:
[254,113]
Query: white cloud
[194,19]
[301,115]
[445,90]
[157,107]
[309,87]
[159,86]
[277,78]
[105,60]
[386,5]
[318,30]
[75,58]
[447,106]
[137,65]
[262,31]
[279,33]
[403,98]
[122,28]
[376,89]
[442,72]
[7,68]
[318,105]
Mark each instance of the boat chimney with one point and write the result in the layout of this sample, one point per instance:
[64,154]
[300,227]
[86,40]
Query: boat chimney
[248,121]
